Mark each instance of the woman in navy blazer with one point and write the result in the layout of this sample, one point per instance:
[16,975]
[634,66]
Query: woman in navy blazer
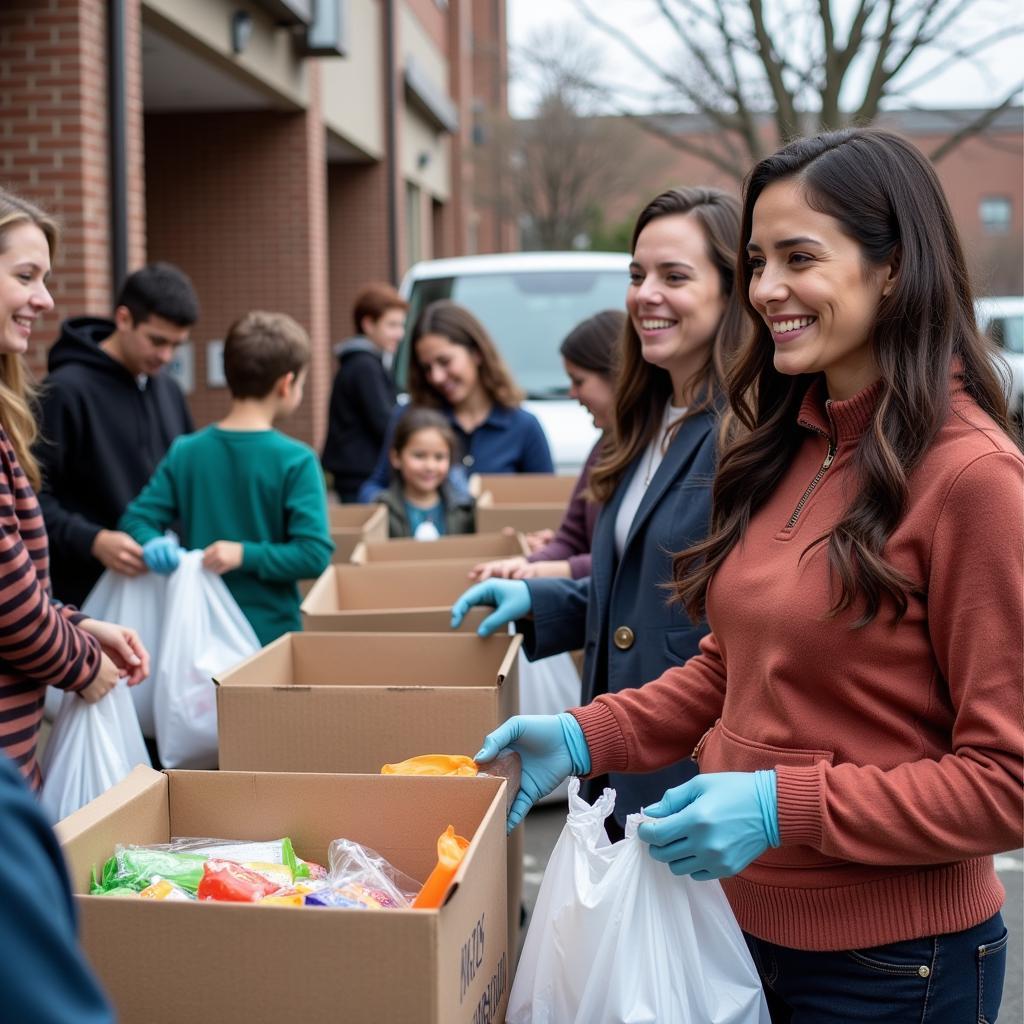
[685,320]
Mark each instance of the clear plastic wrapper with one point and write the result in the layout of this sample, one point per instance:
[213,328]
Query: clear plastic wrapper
[365,878]
[508,766]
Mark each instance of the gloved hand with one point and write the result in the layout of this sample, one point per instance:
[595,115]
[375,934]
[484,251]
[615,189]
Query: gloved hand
[714,825]
[162,554]
[511,600]
[551,748]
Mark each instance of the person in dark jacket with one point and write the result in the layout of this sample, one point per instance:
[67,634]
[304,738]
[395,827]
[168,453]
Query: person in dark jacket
[108,415]
[363,393]
[654,479]
[420,499]
[44,977]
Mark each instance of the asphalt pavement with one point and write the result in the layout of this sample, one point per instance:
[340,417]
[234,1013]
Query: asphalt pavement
[544,825]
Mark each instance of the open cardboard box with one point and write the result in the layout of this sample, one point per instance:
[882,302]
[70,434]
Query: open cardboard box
[480,546]
[409,597]
[522,517]
[350,526]
[352,702]
[523,488]
[171,962]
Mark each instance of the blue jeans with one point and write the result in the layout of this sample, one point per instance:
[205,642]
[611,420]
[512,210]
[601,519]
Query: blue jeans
[944,979]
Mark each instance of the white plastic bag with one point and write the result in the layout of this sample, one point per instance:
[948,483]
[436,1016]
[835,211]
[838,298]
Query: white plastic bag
[136,602]
[616,937]
[548,686]
[91,748]
[204,632]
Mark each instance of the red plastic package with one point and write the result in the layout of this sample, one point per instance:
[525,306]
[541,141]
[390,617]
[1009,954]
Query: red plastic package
[225,880]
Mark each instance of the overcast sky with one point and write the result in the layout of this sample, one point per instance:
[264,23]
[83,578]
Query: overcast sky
[967,85]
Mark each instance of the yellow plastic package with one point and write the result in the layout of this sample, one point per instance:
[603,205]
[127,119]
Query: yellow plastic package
[433,764]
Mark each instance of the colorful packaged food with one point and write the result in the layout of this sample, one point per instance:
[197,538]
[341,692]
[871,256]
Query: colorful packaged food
[225,880]
[162,889]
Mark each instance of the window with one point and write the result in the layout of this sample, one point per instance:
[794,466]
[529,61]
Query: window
[413,222]
[996,214]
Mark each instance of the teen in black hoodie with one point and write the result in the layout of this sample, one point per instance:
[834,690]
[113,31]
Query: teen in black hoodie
[108,415]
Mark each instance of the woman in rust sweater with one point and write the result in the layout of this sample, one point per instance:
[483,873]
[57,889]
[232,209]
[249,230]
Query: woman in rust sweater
[856,711]
[41,642]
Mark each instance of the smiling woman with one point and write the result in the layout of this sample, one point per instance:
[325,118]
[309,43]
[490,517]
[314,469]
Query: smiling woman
[41,642]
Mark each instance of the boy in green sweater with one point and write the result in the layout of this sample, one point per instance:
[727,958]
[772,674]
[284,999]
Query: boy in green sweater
[250,497]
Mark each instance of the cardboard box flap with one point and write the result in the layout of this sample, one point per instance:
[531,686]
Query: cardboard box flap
[354,517]
[324,659]
[134,811]
[480,546]
[522,488]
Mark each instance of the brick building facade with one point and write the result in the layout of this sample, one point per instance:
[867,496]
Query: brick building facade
[278,173]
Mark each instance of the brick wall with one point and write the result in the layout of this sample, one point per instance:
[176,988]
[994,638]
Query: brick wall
[357,237]
[238,201]
[54,139]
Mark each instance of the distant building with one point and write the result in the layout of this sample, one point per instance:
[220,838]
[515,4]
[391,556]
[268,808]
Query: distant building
[983,178]
[281,151]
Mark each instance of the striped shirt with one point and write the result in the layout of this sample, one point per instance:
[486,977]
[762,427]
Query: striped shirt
[39,644]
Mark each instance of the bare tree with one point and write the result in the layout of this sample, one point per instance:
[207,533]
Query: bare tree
[743,63]
[559,168]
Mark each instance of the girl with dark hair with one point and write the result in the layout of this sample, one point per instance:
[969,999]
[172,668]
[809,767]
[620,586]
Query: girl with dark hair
[455,368]
[588,353]
[857,709]
[653,477]
[421,503]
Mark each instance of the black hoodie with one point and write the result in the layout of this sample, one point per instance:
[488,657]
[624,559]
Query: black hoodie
[362,397]
[103,434]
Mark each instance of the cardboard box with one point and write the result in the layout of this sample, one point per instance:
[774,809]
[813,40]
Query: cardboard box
[351,525]
[523,488]
[523,518]
[173,962]
[480,546]
[352,702]
[402,597]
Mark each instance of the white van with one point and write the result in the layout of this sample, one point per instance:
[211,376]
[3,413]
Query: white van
[1002,319]
[528,302]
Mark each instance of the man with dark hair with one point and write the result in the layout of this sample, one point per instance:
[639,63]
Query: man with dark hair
[363,393]
[108,415]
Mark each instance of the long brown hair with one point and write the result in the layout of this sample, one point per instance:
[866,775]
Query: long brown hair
[643,389]
[886,196]
[17,393]
[459,326]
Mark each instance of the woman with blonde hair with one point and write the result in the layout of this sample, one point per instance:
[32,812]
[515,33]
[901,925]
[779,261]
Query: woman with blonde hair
[41,642]
[455,367]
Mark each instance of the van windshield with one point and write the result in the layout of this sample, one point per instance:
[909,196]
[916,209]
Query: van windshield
[527,314]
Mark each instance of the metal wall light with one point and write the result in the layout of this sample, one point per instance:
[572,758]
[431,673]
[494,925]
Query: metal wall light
[241,31]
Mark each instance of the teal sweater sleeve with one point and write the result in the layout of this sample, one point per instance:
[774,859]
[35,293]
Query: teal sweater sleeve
[307,551]
[156,506]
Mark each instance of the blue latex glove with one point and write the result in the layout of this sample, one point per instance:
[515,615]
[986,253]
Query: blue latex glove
[714,825]
[510,598]
[551,748]
[162,554]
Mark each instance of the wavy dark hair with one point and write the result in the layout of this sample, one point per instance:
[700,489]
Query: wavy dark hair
[593,343]
[643,389]
[460,327]
[886,196]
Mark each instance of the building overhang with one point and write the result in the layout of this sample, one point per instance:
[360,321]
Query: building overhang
[430,100]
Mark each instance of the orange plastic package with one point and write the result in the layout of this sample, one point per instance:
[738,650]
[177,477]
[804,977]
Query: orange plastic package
[432,764]
[450,851]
